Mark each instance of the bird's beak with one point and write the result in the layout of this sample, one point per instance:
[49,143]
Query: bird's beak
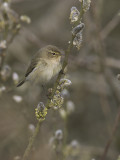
[62,54]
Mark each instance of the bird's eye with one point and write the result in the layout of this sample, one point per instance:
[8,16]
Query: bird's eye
[53,53]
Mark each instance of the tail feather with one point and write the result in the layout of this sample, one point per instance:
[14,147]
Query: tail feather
[21,83]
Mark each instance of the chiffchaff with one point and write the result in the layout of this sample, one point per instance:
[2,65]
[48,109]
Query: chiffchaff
[45,64]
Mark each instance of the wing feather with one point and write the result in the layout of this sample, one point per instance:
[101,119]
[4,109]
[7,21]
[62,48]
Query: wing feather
[35,63]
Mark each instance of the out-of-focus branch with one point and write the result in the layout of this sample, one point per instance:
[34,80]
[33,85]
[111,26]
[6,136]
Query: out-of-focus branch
[86,150]
[92,63]
[31,37]
[114,63]
[9,27]
[115,127]
[110,26]
[100,49]
[25,156]
[105,105]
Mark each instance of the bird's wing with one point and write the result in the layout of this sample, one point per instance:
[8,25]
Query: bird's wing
[35,63]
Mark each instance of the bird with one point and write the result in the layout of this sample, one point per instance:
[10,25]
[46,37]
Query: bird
[44,65]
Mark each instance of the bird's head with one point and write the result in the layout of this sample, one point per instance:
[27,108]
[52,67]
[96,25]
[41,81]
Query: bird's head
[52,53]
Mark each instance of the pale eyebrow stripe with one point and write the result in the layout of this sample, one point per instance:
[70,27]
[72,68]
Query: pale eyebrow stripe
[54,52]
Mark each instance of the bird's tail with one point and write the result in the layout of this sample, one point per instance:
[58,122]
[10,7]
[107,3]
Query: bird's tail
[21,83]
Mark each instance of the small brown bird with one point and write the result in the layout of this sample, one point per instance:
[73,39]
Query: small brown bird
[45,64]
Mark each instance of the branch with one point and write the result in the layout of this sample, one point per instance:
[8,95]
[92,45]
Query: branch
[47,106]
[100,49]
[115,127]
[32,139]
[110,26]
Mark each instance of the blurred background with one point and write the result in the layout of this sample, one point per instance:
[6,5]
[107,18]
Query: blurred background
[94,106]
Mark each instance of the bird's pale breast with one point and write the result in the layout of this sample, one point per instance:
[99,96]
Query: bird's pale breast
[44,75]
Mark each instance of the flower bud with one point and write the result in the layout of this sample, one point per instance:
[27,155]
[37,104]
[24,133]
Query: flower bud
[86,5]
[5,6]
[15,77]
[41,106]
[74,15]
[31,127]
[17,158]
[57,101]
[65,82]
[74,144]
[25,18]
[17,98]
[41,111]
[70,107]
[78,40]
[78,29]
[63,113]
[2,89]
[5,72]
[3,44]
[59,134]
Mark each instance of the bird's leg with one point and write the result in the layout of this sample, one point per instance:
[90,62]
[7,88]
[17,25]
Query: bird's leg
[49,93]
[62,72]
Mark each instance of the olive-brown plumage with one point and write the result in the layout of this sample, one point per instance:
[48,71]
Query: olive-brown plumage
[45,64]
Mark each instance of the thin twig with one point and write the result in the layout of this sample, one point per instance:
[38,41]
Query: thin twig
[32,139]
[110,26]
[115,127]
